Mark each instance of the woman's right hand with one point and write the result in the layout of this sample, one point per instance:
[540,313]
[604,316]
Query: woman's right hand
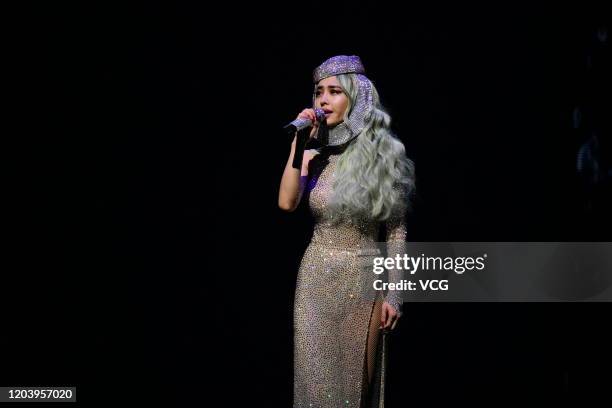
[309,113]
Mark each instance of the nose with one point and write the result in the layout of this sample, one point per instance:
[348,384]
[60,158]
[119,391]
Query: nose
[324,97]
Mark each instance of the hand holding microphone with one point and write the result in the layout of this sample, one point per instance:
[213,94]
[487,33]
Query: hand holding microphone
[308,117]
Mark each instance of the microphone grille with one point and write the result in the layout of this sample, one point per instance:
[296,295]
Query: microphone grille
[320,114]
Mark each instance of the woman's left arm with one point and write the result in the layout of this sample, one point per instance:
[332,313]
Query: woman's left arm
[396,245]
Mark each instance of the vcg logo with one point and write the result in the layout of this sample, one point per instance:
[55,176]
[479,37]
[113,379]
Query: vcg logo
[433,284]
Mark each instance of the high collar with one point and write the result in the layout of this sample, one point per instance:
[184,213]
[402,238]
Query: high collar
[335,150]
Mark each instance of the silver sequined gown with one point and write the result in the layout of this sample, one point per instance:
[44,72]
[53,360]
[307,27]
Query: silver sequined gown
[332,317]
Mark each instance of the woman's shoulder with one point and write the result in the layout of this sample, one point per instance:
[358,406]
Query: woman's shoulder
[307,158]
[309,155]
[312,152]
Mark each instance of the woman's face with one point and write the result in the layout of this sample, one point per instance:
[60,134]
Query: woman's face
[330,96]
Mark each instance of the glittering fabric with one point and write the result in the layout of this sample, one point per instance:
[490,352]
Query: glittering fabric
[364,102]
[338,346]
[340,64]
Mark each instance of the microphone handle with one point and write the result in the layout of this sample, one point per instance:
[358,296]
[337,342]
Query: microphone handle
[298,124]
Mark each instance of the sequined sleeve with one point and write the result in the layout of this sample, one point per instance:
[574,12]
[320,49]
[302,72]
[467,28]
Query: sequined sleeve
[396,245]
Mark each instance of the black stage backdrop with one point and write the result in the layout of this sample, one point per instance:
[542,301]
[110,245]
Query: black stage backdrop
[153,255]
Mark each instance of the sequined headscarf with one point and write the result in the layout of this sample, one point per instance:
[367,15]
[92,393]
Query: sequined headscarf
[352,127]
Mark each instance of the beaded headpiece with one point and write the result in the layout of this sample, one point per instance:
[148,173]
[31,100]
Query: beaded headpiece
[352,127]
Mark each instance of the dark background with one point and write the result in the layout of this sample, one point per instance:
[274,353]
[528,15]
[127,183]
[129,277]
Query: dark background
[149,249]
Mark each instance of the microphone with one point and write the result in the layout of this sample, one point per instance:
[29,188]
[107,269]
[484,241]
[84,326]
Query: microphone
[300,123]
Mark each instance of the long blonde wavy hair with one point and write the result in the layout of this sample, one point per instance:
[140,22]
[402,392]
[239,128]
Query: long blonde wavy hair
[374,179]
